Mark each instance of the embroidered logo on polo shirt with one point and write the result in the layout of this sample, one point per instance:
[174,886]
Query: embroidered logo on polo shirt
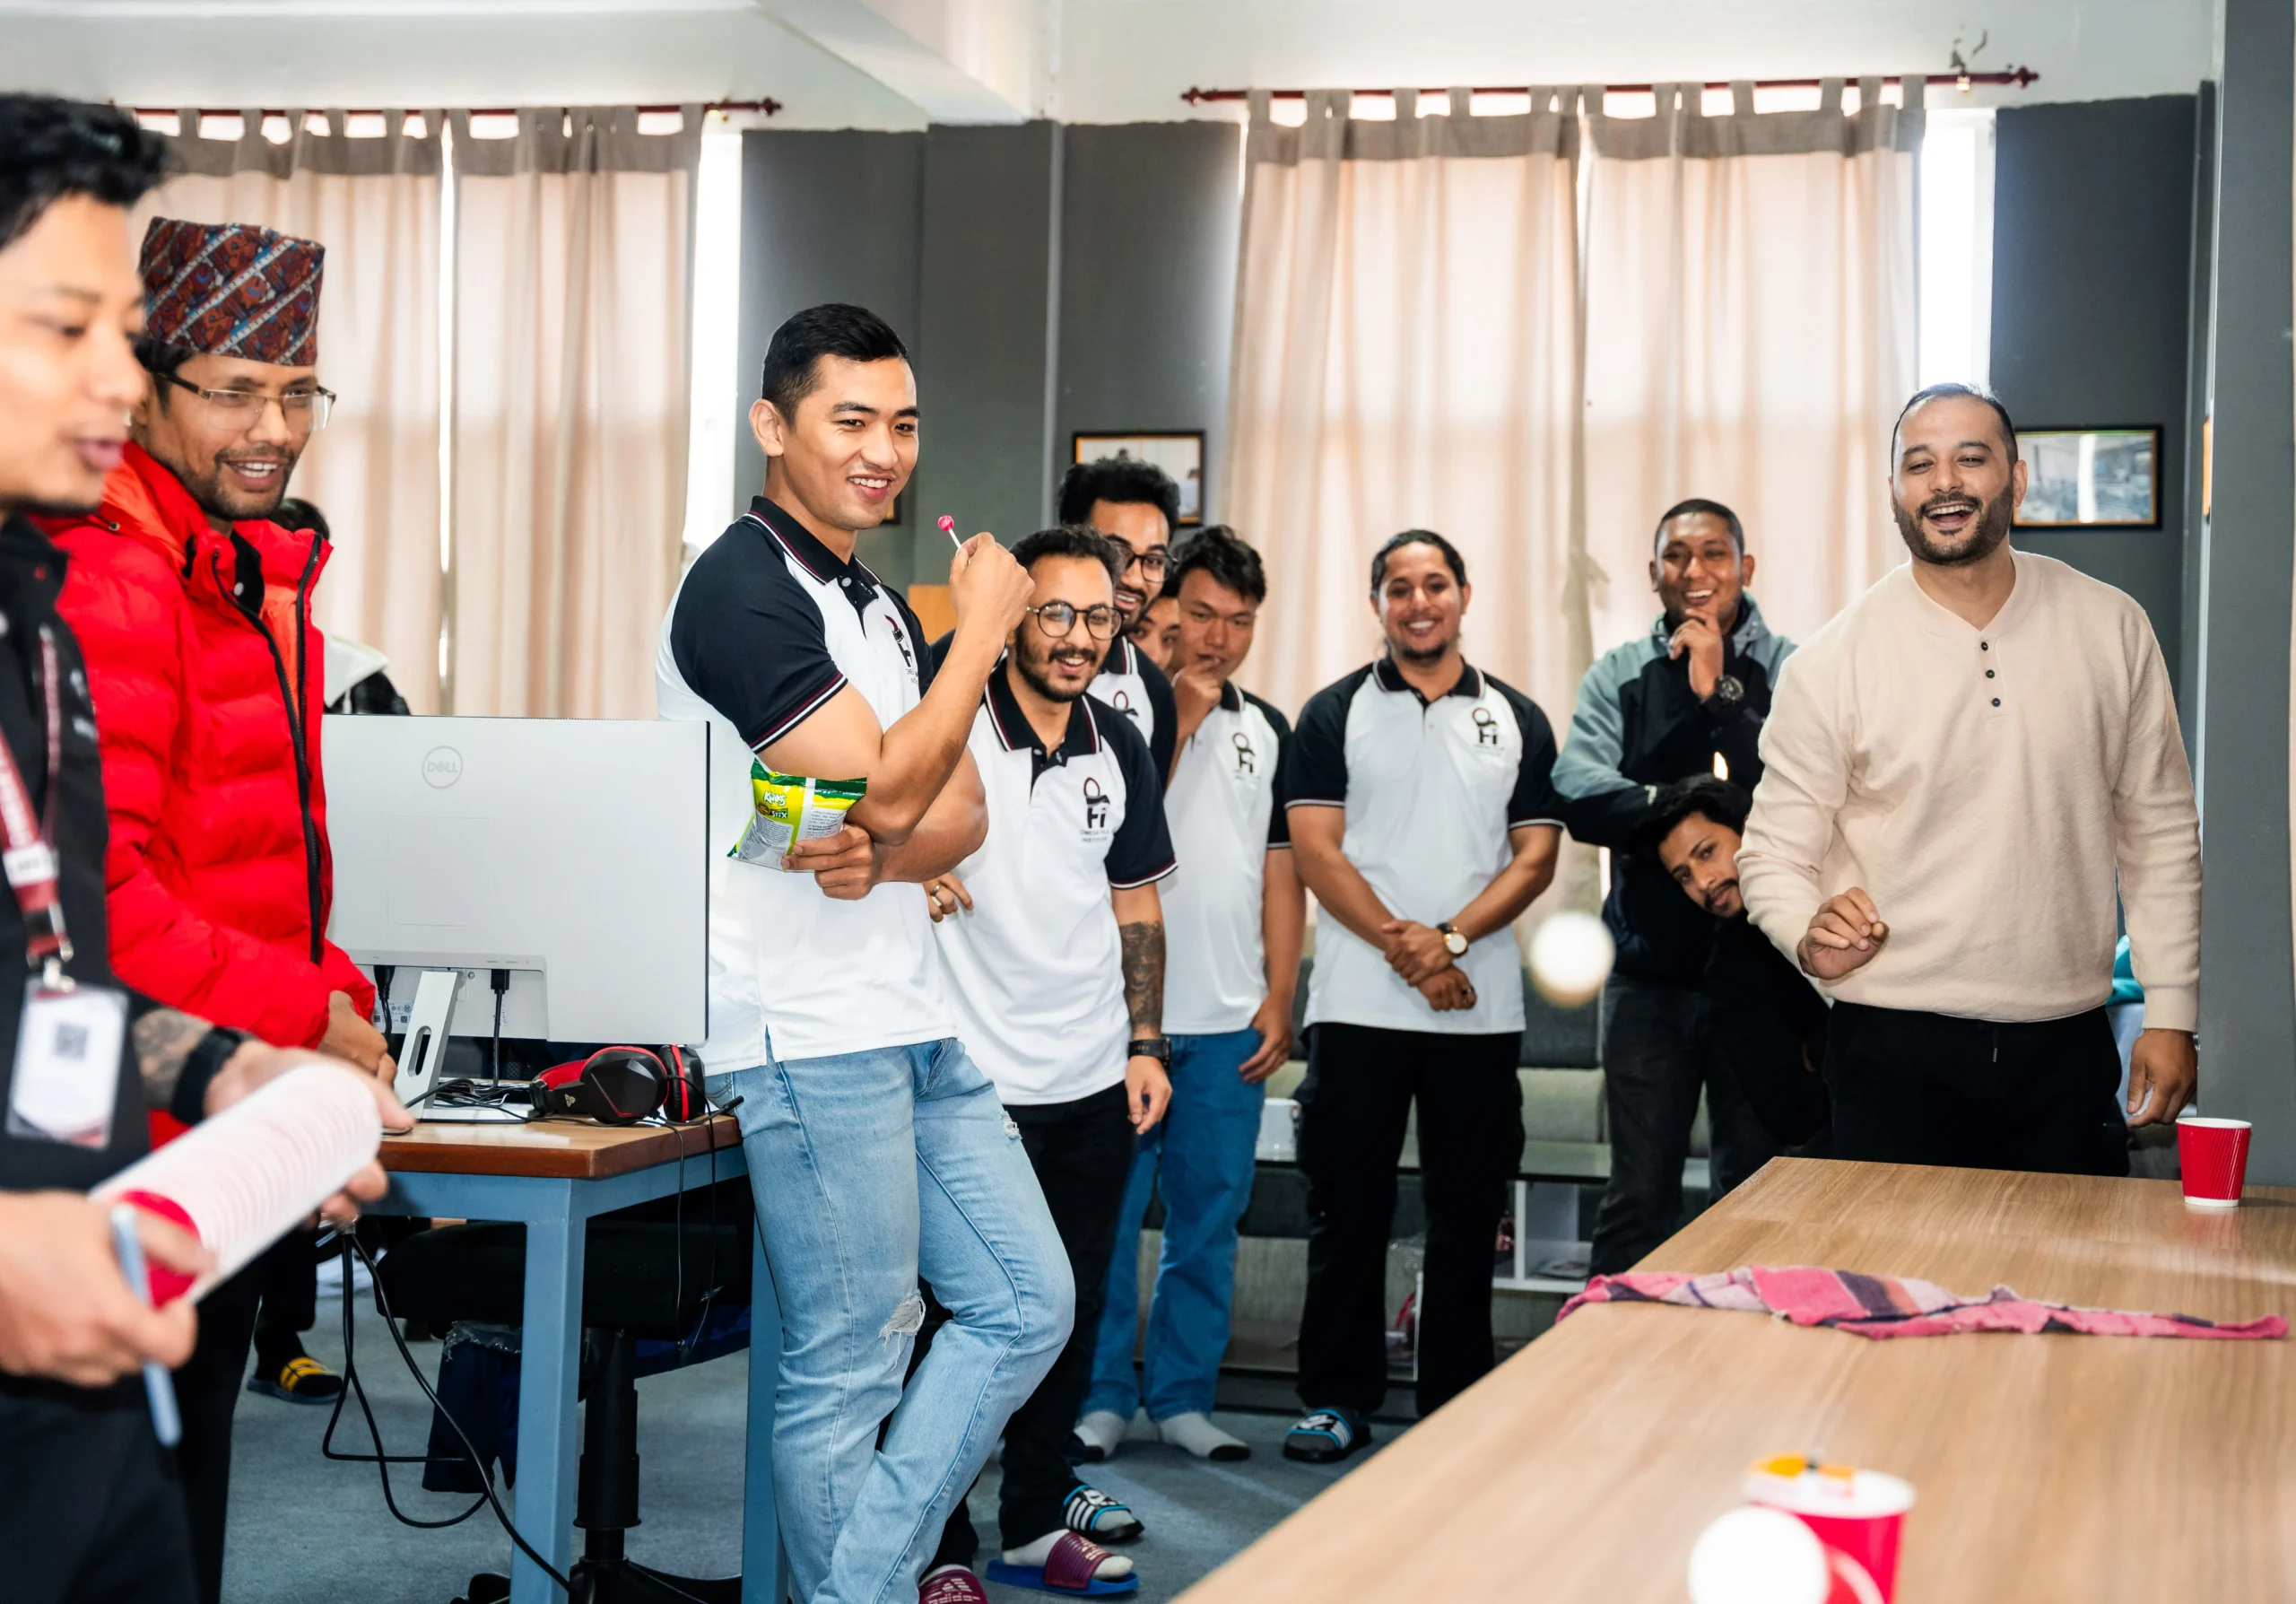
[1096,807]
[1486,728]
[1121,699]
[1247,760]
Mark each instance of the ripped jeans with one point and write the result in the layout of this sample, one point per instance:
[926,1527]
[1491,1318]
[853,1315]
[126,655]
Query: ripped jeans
[871,1169]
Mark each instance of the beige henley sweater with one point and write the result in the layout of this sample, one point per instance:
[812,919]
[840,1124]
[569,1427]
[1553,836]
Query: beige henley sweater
[1982,786]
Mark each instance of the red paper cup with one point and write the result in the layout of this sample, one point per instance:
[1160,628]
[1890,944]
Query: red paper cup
[1859,1515]
[2214,1155]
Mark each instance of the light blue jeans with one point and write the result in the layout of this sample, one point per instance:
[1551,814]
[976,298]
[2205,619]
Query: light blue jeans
[870,1168]
[1200,1159]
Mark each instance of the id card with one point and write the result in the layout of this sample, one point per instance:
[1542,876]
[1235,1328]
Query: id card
[67,1064]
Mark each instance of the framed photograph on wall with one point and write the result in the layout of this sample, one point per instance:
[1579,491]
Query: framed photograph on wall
[1179,452]
[2091,478]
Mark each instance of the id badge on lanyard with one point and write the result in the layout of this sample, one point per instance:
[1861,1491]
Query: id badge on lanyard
[64,1084]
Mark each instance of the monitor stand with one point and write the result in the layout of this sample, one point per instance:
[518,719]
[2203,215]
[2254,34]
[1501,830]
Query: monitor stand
[423,1053]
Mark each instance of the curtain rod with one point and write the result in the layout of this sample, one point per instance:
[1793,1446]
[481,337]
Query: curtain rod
[2017,77]
[769,106]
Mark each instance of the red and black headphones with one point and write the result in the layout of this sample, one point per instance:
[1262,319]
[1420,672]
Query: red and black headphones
[620,1085]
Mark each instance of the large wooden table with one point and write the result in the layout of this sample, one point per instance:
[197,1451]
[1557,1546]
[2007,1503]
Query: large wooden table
[2047,1467]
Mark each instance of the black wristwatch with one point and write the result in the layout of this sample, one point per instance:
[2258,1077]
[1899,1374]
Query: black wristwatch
[205,1061]
[1729,691]
[1159,1048]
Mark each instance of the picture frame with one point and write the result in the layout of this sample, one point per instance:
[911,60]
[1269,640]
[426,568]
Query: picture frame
[2105,478]
[1179,452]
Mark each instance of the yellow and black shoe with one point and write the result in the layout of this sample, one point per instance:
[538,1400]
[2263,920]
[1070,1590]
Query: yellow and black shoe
[301,1379]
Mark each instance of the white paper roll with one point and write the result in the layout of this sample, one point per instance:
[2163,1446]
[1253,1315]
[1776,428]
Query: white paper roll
[255,1171]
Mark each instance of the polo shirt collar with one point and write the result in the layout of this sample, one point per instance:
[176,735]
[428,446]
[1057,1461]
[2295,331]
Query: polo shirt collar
[1015,733]
[1231,700]
[852,577]
[1391,679]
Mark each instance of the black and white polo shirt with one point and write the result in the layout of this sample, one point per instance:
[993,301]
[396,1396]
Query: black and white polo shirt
[766,627]
[1431,790]
[1136,688]
[1034,968]
[1222,807]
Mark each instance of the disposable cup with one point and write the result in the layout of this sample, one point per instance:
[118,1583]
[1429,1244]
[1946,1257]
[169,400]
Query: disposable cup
[1859,1515]
[2214,1155]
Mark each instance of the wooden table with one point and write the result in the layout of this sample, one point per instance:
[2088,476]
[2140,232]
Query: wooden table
[2047,1467]
[554,1176]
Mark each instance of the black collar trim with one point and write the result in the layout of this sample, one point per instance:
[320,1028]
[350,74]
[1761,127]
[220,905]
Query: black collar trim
[806,548]
[1469,682]
[1231,700]
[1015,733]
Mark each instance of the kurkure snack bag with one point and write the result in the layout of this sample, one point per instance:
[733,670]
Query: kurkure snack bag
[791,808]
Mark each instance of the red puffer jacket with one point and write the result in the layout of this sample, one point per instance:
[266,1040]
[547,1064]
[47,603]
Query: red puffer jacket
[206,670]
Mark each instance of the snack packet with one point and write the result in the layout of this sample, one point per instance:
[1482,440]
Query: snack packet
[791,808]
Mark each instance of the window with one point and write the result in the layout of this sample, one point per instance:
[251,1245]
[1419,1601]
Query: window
[1955,248]
[714,408]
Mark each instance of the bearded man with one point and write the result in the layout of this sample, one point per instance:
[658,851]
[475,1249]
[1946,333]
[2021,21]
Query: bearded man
[1961,772]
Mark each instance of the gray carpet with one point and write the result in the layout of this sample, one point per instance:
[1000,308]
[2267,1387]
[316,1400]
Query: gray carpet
[307,1529]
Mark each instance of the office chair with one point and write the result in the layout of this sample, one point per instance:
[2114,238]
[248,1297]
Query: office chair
[631,1290]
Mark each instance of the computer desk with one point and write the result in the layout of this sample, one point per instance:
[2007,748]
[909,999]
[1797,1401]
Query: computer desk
[2044,1467]
[553,1177]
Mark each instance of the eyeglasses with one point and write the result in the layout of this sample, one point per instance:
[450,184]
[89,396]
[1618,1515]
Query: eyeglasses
[1057,620]
[1153,561]
[306,411]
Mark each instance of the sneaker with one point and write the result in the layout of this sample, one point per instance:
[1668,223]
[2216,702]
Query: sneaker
[1089,1512]
[950,1584]
[301,1379]
[1325,1436]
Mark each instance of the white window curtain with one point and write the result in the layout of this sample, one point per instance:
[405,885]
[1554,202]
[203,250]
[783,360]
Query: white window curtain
[373,202]
[572,282]
[1749,337]
[1407,356]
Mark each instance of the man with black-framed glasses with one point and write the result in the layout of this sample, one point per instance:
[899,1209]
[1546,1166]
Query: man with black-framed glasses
[1136,505]
[192,610]
[1051,936]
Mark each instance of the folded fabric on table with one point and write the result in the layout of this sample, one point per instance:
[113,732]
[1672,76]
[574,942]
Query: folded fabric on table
[1892,1305]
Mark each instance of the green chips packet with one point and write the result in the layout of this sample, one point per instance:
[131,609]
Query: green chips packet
[791,808]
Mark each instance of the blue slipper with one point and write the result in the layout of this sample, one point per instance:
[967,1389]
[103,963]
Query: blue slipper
[1068,1569]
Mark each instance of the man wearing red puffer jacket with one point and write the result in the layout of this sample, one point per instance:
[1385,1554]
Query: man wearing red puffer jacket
[193,610]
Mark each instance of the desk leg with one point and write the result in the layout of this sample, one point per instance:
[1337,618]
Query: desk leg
[547,1356]
[761,1525]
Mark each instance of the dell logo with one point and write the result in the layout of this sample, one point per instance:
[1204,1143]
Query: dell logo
[442,766]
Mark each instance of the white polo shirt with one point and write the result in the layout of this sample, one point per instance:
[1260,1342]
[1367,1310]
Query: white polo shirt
[1136,688]
[1035,966]
[1221,809]
[766,627]
[1430,790]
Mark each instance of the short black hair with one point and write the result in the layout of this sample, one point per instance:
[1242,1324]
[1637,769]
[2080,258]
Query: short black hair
[298,514]
[51,148]
[1073,540]
[1938,392]
[833,329]
[1696,796]
[1458,565]
[1698,504]
[1217,550]
[1121,480]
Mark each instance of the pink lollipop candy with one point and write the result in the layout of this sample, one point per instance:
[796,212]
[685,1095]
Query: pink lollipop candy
[949,528]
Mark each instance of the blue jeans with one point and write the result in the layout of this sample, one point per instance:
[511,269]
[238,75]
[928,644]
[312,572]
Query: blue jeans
[870,1168]
[1200,1159]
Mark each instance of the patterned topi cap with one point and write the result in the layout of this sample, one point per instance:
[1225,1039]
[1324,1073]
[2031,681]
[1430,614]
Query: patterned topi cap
[232,289]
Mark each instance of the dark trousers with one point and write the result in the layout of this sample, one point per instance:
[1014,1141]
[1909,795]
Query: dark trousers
[89,1511]
[207,1391]
[1082,1152]
[1660,1047]
[1353,1103]
[1914,1088]
[290,1292]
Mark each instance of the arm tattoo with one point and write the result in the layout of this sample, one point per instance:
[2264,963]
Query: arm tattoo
[1143,977]
[163,1040]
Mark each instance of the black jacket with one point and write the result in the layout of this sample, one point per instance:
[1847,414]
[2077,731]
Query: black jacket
[1770,1026]
[31,573]
[1637,727]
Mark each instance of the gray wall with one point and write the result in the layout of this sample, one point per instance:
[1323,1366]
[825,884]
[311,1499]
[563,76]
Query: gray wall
[2092,311]
[2248,1009]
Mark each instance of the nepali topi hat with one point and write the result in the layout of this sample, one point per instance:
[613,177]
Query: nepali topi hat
[232,289]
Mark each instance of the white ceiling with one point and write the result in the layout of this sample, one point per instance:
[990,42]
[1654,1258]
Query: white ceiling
[891,63]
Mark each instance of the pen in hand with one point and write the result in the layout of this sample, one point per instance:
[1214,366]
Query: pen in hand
[159,1387]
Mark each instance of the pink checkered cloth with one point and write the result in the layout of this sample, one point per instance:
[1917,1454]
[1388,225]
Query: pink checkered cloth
[1892,1306]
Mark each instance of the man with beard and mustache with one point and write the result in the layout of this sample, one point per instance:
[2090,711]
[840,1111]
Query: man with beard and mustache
[194,610]
[1690,689]
[1135,504]
[1051,935]
[1764,1019]
[1960,770]
[1423,817]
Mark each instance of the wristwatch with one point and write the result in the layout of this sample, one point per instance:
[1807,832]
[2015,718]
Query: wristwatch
[1455,941]
[1729,691]
[1159,1048]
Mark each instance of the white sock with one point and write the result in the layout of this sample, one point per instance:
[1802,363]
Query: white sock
[1196,1433]
[1114,1567]
[1102,1429]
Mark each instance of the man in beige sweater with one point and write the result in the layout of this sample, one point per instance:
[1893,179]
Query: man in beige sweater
[1960,770]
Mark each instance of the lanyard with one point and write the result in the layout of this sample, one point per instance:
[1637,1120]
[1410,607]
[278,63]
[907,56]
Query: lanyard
[28,859]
